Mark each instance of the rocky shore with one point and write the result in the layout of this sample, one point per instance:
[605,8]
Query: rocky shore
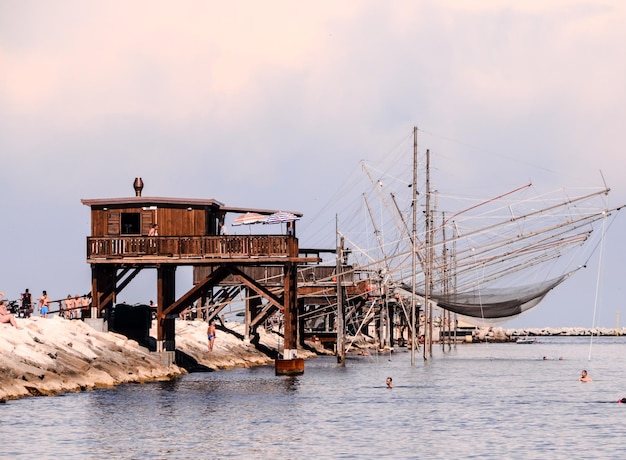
[48,356]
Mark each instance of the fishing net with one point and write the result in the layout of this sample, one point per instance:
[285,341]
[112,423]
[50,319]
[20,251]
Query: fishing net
[492,303]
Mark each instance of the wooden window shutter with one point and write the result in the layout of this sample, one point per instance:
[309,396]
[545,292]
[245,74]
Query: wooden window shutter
[147,217]
[113,223]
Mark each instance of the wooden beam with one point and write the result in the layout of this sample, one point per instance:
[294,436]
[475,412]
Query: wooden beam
[265,312]
[196,292]
[111,295]
[261,290]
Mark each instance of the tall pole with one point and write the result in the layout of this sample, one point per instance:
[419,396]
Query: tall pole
[341,349]
[446,313]
[428,327]
[455,235]
[413,251]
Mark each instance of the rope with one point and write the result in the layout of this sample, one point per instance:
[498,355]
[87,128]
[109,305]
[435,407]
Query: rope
[599,277]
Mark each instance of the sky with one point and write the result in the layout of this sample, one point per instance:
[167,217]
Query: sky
[275,104]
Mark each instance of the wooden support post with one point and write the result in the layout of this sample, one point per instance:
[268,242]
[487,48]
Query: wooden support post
[252,310]
[102,287]
[95,297]
[290,306]
[290,364]
[166,295]
[390,317]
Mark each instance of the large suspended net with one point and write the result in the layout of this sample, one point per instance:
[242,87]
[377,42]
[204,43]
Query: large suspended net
[494,303]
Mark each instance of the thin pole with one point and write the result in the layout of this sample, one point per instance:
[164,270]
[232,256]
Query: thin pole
[600,266]
[428,327]
[446,282]
[413,251]
[341,349]
[454,278]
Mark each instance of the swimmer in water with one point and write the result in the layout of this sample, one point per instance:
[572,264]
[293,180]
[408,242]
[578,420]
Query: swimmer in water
[584,377]
[389,382]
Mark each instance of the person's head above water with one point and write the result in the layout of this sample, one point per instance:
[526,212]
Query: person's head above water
[389,382]
[584,377]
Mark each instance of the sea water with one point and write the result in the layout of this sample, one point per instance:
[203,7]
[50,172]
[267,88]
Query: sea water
[469,401]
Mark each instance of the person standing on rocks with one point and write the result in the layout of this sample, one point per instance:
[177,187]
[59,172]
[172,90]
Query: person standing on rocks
[68,307]
[44,304]
[78,308]
[211,334]
[27,303]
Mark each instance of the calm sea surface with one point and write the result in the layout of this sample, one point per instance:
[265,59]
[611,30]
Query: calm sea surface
[475,401]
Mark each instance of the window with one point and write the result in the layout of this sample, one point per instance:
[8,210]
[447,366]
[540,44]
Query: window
[131,223]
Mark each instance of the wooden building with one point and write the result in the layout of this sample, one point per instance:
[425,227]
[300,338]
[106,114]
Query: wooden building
[140,232]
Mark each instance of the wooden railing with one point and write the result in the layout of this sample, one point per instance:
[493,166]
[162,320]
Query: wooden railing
[227,246]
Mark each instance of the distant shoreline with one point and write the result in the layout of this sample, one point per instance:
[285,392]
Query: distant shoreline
[565,331]
[498,334]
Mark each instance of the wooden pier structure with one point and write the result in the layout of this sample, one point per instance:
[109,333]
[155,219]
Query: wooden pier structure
[123,243]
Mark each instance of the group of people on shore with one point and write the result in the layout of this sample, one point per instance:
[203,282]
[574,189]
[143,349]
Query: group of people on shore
[70,308]
[26,304]
[73,307]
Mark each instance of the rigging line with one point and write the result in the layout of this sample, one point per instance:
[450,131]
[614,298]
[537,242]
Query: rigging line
[490,152]
[608,227]
[484,203]
[550,250]
[510,220]
[532,241]
[393,156]
[385,174]
[554,248]
[480,302]
[383,200]
[595,303]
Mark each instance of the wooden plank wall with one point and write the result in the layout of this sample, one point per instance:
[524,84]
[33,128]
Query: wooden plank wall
[171,221]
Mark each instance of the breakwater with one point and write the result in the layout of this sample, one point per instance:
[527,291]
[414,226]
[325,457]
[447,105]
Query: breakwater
[510,335]
[48,356]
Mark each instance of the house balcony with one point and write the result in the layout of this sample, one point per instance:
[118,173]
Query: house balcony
[192,250]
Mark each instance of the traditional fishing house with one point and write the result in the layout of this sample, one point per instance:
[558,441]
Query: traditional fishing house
[135,233]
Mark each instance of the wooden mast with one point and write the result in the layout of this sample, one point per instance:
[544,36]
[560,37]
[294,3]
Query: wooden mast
[341,349]
[413,247]
[428,311]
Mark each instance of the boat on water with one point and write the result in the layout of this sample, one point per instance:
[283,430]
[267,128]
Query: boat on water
[526,340]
